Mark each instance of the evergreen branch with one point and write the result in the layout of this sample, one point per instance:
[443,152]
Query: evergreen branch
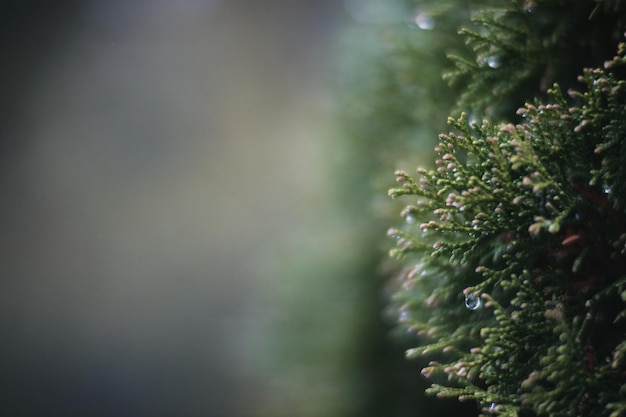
[503,219]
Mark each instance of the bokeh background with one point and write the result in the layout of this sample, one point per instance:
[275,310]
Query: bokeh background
[182,230]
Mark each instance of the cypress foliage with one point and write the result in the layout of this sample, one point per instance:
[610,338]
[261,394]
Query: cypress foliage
[513,246]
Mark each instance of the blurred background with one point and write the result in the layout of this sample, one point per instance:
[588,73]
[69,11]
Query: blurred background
[183,231]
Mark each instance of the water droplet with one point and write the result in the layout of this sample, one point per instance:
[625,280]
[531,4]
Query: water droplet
[607,190]
[493,62]
[492,408]
[410,219]
[404,316]
[472,302]
[424,21]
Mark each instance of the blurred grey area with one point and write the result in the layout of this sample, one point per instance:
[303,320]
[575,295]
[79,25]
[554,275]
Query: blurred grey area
[156,155]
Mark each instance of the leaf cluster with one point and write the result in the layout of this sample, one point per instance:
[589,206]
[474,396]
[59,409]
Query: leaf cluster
[515,257]
[519,47]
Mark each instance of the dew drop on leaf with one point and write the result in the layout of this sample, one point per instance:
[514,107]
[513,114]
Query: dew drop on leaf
[472,302]
[424,21]
[404,317]
[493,62]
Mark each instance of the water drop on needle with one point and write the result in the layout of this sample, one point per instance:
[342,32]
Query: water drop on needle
[410,219]
[493,62]
[424,21]
[404,317]
[472,302]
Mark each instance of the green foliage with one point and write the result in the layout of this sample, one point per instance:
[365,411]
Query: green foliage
[515,257]
[522,47]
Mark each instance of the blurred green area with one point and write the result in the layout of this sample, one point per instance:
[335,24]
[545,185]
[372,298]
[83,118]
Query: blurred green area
[333,350]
